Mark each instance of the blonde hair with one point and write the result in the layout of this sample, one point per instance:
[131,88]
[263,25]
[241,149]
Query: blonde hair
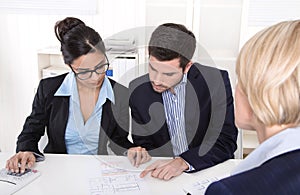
[268,71]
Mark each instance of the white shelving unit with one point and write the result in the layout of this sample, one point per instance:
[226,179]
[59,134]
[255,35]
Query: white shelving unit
[50,59]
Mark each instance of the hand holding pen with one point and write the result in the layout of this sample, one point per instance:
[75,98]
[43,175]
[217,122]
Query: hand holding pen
[138,155]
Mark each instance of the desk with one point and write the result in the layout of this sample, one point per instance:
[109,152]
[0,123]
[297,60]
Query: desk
[69,174]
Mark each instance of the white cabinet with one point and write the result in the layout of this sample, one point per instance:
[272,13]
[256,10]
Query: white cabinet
[123,68]
[250,141]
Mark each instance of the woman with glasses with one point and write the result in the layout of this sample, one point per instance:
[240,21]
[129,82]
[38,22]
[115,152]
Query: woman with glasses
[83,111]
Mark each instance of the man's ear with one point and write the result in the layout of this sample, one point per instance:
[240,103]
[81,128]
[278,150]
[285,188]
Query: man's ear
[188,66]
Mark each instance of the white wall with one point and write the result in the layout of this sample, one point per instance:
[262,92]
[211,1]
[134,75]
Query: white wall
[21,35]
[218,25]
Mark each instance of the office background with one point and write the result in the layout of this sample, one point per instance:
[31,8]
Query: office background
[221,27]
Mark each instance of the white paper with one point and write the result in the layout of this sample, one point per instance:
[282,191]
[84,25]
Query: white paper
[115,180]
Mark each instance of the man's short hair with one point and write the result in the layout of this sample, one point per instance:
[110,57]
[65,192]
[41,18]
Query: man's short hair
[170,41]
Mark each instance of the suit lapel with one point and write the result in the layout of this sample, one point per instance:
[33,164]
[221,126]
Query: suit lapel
[192,109]
[59,122]
[104,127]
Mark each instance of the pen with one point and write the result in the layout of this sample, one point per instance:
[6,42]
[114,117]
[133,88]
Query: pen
[186,192]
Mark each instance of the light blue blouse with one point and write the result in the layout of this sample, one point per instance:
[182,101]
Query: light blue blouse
[80,137]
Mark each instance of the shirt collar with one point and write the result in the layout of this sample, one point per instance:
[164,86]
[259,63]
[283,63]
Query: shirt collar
[182,82]
[282,142]
[107,90]
[67,86]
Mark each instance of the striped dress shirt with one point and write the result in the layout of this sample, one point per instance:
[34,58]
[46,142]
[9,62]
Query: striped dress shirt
[174,106]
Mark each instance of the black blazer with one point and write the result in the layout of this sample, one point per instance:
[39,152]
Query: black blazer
[209,118]
[51,112]
[279,175]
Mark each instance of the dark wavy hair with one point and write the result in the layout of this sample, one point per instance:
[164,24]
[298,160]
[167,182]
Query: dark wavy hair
[77,39]
[170,41]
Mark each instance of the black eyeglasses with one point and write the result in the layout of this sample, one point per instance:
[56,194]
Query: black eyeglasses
[99,69]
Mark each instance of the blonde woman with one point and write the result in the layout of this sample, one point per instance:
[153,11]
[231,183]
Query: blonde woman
[268,100]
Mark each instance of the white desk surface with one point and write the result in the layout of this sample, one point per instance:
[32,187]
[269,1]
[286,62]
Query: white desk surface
[70,174]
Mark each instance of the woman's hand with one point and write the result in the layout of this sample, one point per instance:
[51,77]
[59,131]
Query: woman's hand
[18,162]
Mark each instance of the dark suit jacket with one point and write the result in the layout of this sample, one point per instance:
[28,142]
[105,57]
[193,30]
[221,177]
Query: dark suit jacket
[52,112]
[279,175]
[209,118]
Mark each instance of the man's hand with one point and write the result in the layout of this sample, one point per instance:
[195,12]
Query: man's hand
[19,161]
[138,155]
[166,169]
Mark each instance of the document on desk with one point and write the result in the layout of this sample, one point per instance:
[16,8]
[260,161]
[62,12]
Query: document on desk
[200,186]
[209,176]
[116,180]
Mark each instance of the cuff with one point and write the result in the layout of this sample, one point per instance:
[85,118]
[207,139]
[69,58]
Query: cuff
[38,157]
[125,153]
[191,168]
